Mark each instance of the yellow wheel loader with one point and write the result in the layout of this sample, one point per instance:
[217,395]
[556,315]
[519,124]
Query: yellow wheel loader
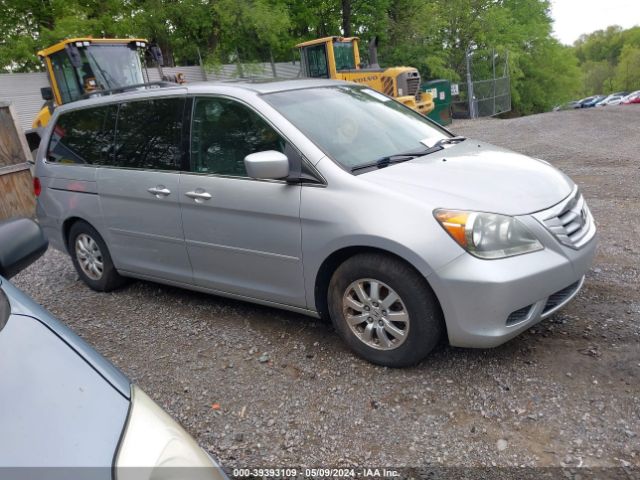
[339,58]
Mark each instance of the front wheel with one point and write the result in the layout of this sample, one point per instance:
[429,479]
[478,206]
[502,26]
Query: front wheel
[91,258]
[384,310]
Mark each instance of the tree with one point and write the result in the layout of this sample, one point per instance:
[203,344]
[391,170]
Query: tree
[597,77]
[628,70]
[609,59]
[431,35]
[251,31]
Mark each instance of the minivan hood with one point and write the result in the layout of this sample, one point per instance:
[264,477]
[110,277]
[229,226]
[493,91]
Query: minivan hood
[474,175]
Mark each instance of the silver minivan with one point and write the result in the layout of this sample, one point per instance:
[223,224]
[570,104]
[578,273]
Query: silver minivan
[322,197]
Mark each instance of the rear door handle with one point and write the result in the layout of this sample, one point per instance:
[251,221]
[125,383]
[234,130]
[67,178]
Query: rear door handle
[159,191]
[199,195]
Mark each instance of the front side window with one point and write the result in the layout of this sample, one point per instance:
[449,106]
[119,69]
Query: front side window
[84,137]
[315,60]
[223,132]
[354,125]
[149,134]
[66,77]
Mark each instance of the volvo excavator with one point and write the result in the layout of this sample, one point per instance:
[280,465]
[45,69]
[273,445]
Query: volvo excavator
[339,58]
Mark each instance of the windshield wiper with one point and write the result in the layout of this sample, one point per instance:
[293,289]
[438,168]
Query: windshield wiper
[396,158]
[405,156]
[444,141]
[102,71]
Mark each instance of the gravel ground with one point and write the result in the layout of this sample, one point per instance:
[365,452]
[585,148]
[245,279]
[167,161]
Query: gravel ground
[260,387]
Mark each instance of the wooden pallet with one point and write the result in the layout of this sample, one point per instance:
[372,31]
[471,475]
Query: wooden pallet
[16,184]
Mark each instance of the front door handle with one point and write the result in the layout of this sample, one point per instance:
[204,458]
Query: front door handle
[159,191]
[199,195]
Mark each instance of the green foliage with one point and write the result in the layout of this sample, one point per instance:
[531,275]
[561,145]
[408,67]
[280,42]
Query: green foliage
[550,76]
[609,60]
[627,76]
[431,35]
[253,29]
[598,76]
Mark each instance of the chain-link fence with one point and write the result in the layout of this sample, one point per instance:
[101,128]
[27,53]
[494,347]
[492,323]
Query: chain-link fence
[490,97]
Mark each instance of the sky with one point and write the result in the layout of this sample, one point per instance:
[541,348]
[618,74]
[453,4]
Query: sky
[572,18]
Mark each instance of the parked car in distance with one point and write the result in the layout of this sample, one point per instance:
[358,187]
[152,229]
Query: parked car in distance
[633,97]
[612,99]
[591,101]
[567,106]
[583,100]
[63,406]
[317,196]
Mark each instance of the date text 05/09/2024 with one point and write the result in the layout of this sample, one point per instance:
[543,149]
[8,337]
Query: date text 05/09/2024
[316,473]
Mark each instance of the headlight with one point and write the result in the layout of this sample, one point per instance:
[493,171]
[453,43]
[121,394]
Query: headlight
[488,235]
[155,447]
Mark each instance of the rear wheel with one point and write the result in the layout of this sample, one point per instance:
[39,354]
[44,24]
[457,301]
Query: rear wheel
[91,258]
[384,310]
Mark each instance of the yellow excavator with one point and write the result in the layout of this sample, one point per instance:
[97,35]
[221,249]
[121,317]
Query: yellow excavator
[339,58]
[78,67]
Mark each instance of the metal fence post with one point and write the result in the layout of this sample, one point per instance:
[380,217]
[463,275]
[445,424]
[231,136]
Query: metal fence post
[472,113]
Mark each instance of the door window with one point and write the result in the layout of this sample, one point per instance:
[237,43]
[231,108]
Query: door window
[223,132]
[149,134]
[84,137]
[66,77]
[315,59]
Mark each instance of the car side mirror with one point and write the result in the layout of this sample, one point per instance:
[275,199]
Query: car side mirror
[22,242]
[267,165]
[46,93]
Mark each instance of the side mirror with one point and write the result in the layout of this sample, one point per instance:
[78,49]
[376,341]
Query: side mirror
[46,93]
[267,165]
[21,243]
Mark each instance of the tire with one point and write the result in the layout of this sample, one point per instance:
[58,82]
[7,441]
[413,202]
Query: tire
[104,277]
[416,314]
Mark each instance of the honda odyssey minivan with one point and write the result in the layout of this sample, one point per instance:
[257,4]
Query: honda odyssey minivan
[321,197]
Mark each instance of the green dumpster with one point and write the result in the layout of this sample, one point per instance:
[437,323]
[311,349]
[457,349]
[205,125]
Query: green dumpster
[440,90]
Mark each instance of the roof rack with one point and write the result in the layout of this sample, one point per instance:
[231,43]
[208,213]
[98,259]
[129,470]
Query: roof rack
[126,88]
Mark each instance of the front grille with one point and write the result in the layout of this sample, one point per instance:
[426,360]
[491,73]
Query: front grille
[519,315]
[560,296]
[413,85]
[570,221]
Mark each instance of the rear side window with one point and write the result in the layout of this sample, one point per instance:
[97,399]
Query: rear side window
[84,137]
[149,134]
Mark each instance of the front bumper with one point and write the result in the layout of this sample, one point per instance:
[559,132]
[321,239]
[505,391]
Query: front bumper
[488,302]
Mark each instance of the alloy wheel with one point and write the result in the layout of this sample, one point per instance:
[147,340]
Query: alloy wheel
[89,256]
[376,314]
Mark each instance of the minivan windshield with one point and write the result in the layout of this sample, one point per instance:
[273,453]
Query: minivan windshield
[354,125]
